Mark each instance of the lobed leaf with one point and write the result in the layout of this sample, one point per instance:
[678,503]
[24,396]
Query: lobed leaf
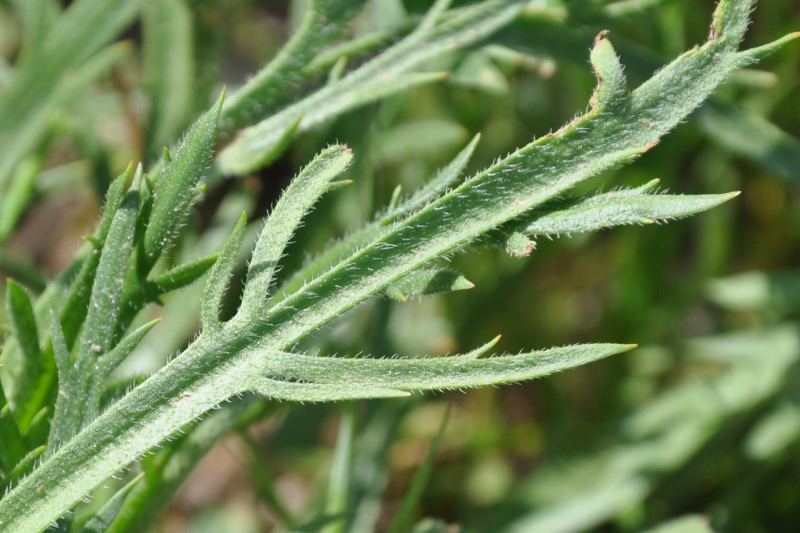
[547,168]
[342,249]
[251,355]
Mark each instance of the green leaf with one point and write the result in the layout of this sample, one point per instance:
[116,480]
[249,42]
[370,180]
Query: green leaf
[617,208]
[28,374]
[76,305]
[385,75]
[337,497]
[25,465]
[752,136]
[168,66]
[772,293]
[176,187]
[36,91]
[405,516]
[443,179]
[106,363]
[220,276]
[37,17]
[299,198]
[67,414]
[251,354]
[147,501]
[13,448]
[267,91]
[427,281]
[182,275]
[23,323]
[290,376]
[19,195]
[99,522]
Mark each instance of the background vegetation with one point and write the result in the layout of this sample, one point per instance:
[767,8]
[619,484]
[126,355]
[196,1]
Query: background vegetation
[703,418]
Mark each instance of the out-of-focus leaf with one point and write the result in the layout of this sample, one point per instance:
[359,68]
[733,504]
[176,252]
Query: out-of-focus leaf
[168,56]
[765,292]
[752,136]
[268,90]
[384,75]
[403,519]
[685,524]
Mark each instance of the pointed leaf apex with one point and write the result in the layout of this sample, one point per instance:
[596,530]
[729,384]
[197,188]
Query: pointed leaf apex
[332,186]
[600,37]
[395,197]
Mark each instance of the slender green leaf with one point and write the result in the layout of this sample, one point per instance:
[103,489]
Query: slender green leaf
[13,448]
[25,464]
[176,187]
[65,419]
[297,377]
[427,281]
[99,522]
[618,208]
[337,497]
[220,276]
[168,58]
[76,304]
[183,275]
[19,195]
[404,517]
[108,362]
[25,330]
[35,92]
[299,198]
[752,136]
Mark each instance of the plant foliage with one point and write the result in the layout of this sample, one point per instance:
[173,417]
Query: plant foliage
[64,346]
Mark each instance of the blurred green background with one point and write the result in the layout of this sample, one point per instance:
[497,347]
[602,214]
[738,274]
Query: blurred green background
[704,417]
